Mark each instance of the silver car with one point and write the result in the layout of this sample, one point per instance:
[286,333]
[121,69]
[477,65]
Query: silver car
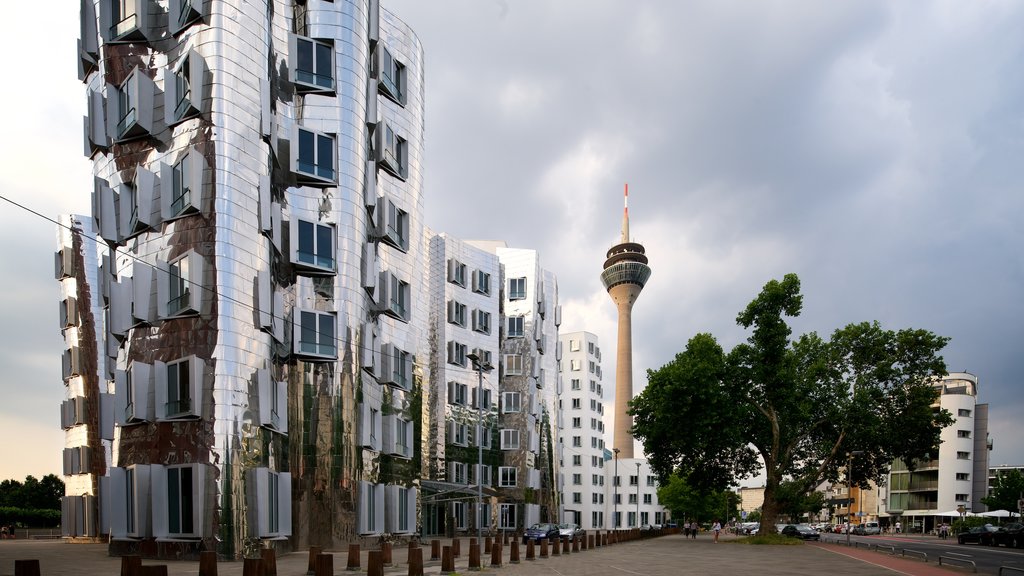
[571,531]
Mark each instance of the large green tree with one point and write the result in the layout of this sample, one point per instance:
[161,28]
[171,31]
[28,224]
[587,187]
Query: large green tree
[797,408]
[688,503]
[1005,491]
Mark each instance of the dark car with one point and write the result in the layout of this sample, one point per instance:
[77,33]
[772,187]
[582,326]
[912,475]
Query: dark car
[799,531]
[539,532]
[977,535]
[571,531]
[1011,535]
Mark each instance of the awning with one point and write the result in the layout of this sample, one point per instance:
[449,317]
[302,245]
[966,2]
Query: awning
[435,491]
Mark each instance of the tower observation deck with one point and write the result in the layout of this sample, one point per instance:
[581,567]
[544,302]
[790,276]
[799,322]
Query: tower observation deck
[624,276]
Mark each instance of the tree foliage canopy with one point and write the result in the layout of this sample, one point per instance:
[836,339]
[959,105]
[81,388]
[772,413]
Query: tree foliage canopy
[690,504]
[33,493]
[800,406]
[1007,489]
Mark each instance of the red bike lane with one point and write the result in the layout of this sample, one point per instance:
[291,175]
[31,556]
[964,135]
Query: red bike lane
[894,563]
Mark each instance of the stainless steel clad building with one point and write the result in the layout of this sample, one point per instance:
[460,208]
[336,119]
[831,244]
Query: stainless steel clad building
[264,314]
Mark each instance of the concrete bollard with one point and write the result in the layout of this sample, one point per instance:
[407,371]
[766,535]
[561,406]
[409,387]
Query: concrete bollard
[375,563]
[415,560]
[488,541]
[26,568]
[575,544]
[447,560]
[385,554]
[314,551]
[208,563]
[130,565]
[530,552]
[456,548]
[474,555]
[435,549]
[544,548]
[496,554]
[353,557]
[565,545]
[252,567]
[513,553]
[324,565]
[269,562]
[591,542]
[556,547]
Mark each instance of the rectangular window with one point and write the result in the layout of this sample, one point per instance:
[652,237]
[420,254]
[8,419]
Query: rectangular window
[963,476]
[574,345]
[481,282]
[314,157]
[461,436]
[577,479]
[577,460]
[647,498]
[575,383]
[183,86]
[392,151]
[516,326]
[179,286]
[458,394]
[576,422]
[391,75]
[633,481]
[576,403]
[575,365]
[577,497]
[962,497]
[482,321]
[457,353]
[314,245]
[456,313]
[652,481]
[393,296]
[517,288]
[513,365]
[179,389]
[508,476]
[456,272]
[396,367]
[963,433]
[509,439]
[314,65]
[963,413]
[180,512]
[181,186]
[963,455]
[316,334]
[632,499]
[459,515]
[577,441]
[397,231]
[507,517]
[510,402]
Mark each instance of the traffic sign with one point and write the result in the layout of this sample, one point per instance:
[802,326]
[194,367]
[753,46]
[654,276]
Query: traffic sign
[743,514]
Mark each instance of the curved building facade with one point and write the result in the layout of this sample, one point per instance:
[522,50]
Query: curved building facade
[258,177]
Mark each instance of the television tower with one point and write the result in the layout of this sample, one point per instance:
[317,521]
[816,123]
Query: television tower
[625,273]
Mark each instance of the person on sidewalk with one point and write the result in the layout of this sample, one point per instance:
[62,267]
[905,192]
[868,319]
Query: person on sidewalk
[717,527]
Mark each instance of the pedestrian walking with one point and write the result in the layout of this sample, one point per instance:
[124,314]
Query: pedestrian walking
[717,527]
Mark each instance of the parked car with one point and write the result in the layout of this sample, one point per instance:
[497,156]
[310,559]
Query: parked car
[867,529]
[571,531]
[1011,535]
[801,531]
[671,524]
[539,532]
[977,535]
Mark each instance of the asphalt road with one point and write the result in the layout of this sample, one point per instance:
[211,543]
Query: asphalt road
[987,558]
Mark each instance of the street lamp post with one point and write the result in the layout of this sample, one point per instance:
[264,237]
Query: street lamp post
[638,494]
[480,366]
[849,492]
[615,492]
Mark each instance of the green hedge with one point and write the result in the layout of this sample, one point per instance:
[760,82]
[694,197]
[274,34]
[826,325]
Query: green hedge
[29,517]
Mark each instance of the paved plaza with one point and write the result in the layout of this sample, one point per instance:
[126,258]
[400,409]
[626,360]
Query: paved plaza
[663,556]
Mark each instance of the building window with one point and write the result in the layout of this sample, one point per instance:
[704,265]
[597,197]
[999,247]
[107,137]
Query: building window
[456,313]
[647,499]
[577,460]
[182,288]
[392,151]
[313,245]
[396,367]
[183,184]
[574,345]
[963,476]
[460,434]
[575,384]
[963,433]
[371,509]
[184,492]
[577,479]
[459,515]
[516,326]
[962,497]
[458,393]
[393,297]
[457,353]
[633,481]
[316,334]
[314,65]
[178,388]
[511,402]
[575,365]
[513,365]
[509,439]
[272,500]
[456,272]
[482,321]
[963,413]
[632,499]
[576,422]
[575,403]
[507,517]
[395,230]
[577,441]
[652,481]
[391,75]
[963,455]
[517,288]
[314,157]
[508,476]
[577,497]
[481,282]
[183,13]
[183,89]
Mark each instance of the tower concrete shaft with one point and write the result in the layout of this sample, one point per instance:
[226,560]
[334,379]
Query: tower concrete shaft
[625,274]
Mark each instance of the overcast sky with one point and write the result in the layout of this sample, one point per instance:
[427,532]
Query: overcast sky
[876,149]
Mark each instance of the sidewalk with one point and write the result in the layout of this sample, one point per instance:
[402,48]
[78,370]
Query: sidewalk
[662,556]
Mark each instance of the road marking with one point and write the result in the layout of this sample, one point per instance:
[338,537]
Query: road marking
[866,561]
[958,554]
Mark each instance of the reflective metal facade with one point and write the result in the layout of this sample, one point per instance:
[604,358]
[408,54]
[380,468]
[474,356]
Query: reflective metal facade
[258,180]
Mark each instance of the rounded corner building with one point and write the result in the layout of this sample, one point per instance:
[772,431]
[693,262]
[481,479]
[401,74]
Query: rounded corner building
[256,289]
